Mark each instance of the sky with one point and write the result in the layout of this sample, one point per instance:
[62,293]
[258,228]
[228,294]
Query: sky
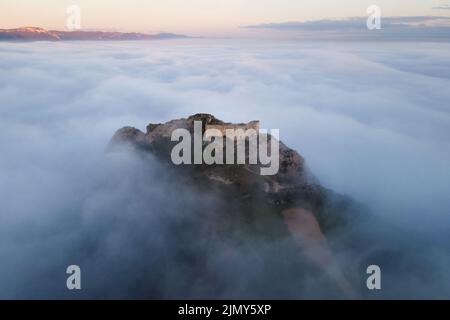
[200,17]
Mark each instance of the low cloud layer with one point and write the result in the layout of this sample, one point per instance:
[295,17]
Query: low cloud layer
[372,121]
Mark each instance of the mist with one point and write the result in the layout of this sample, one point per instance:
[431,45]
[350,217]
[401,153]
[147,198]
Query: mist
[371,119]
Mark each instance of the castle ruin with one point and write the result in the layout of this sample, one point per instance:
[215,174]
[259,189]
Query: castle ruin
[229,126]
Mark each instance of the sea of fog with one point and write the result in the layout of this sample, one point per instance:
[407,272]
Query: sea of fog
[371,119]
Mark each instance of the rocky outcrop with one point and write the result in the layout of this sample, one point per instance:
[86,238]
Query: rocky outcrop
[290,203]
[292,180]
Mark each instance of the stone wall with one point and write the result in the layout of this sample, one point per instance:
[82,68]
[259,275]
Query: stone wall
[223,127]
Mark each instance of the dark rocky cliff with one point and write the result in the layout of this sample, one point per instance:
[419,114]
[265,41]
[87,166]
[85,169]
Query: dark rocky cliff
[289,210]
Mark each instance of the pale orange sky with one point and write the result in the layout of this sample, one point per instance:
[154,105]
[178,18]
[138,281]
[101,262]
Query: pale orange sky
[196,17]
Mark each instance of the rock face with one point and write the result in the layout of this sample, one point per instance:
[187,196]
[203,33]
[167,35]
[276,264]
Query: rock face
[292,179]
[289,205]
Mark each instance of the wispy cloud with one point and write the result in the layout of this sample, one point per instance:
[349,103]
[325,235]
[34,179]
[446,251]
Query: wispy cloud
[412,27]
[442,7]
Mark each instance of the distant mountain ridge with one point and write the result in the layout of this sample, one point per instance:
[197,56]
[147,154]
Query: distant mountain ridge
[40,34]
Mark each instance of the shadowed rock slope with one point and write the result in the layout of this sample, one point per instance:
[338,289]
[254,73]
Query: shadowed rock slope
[294,227]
